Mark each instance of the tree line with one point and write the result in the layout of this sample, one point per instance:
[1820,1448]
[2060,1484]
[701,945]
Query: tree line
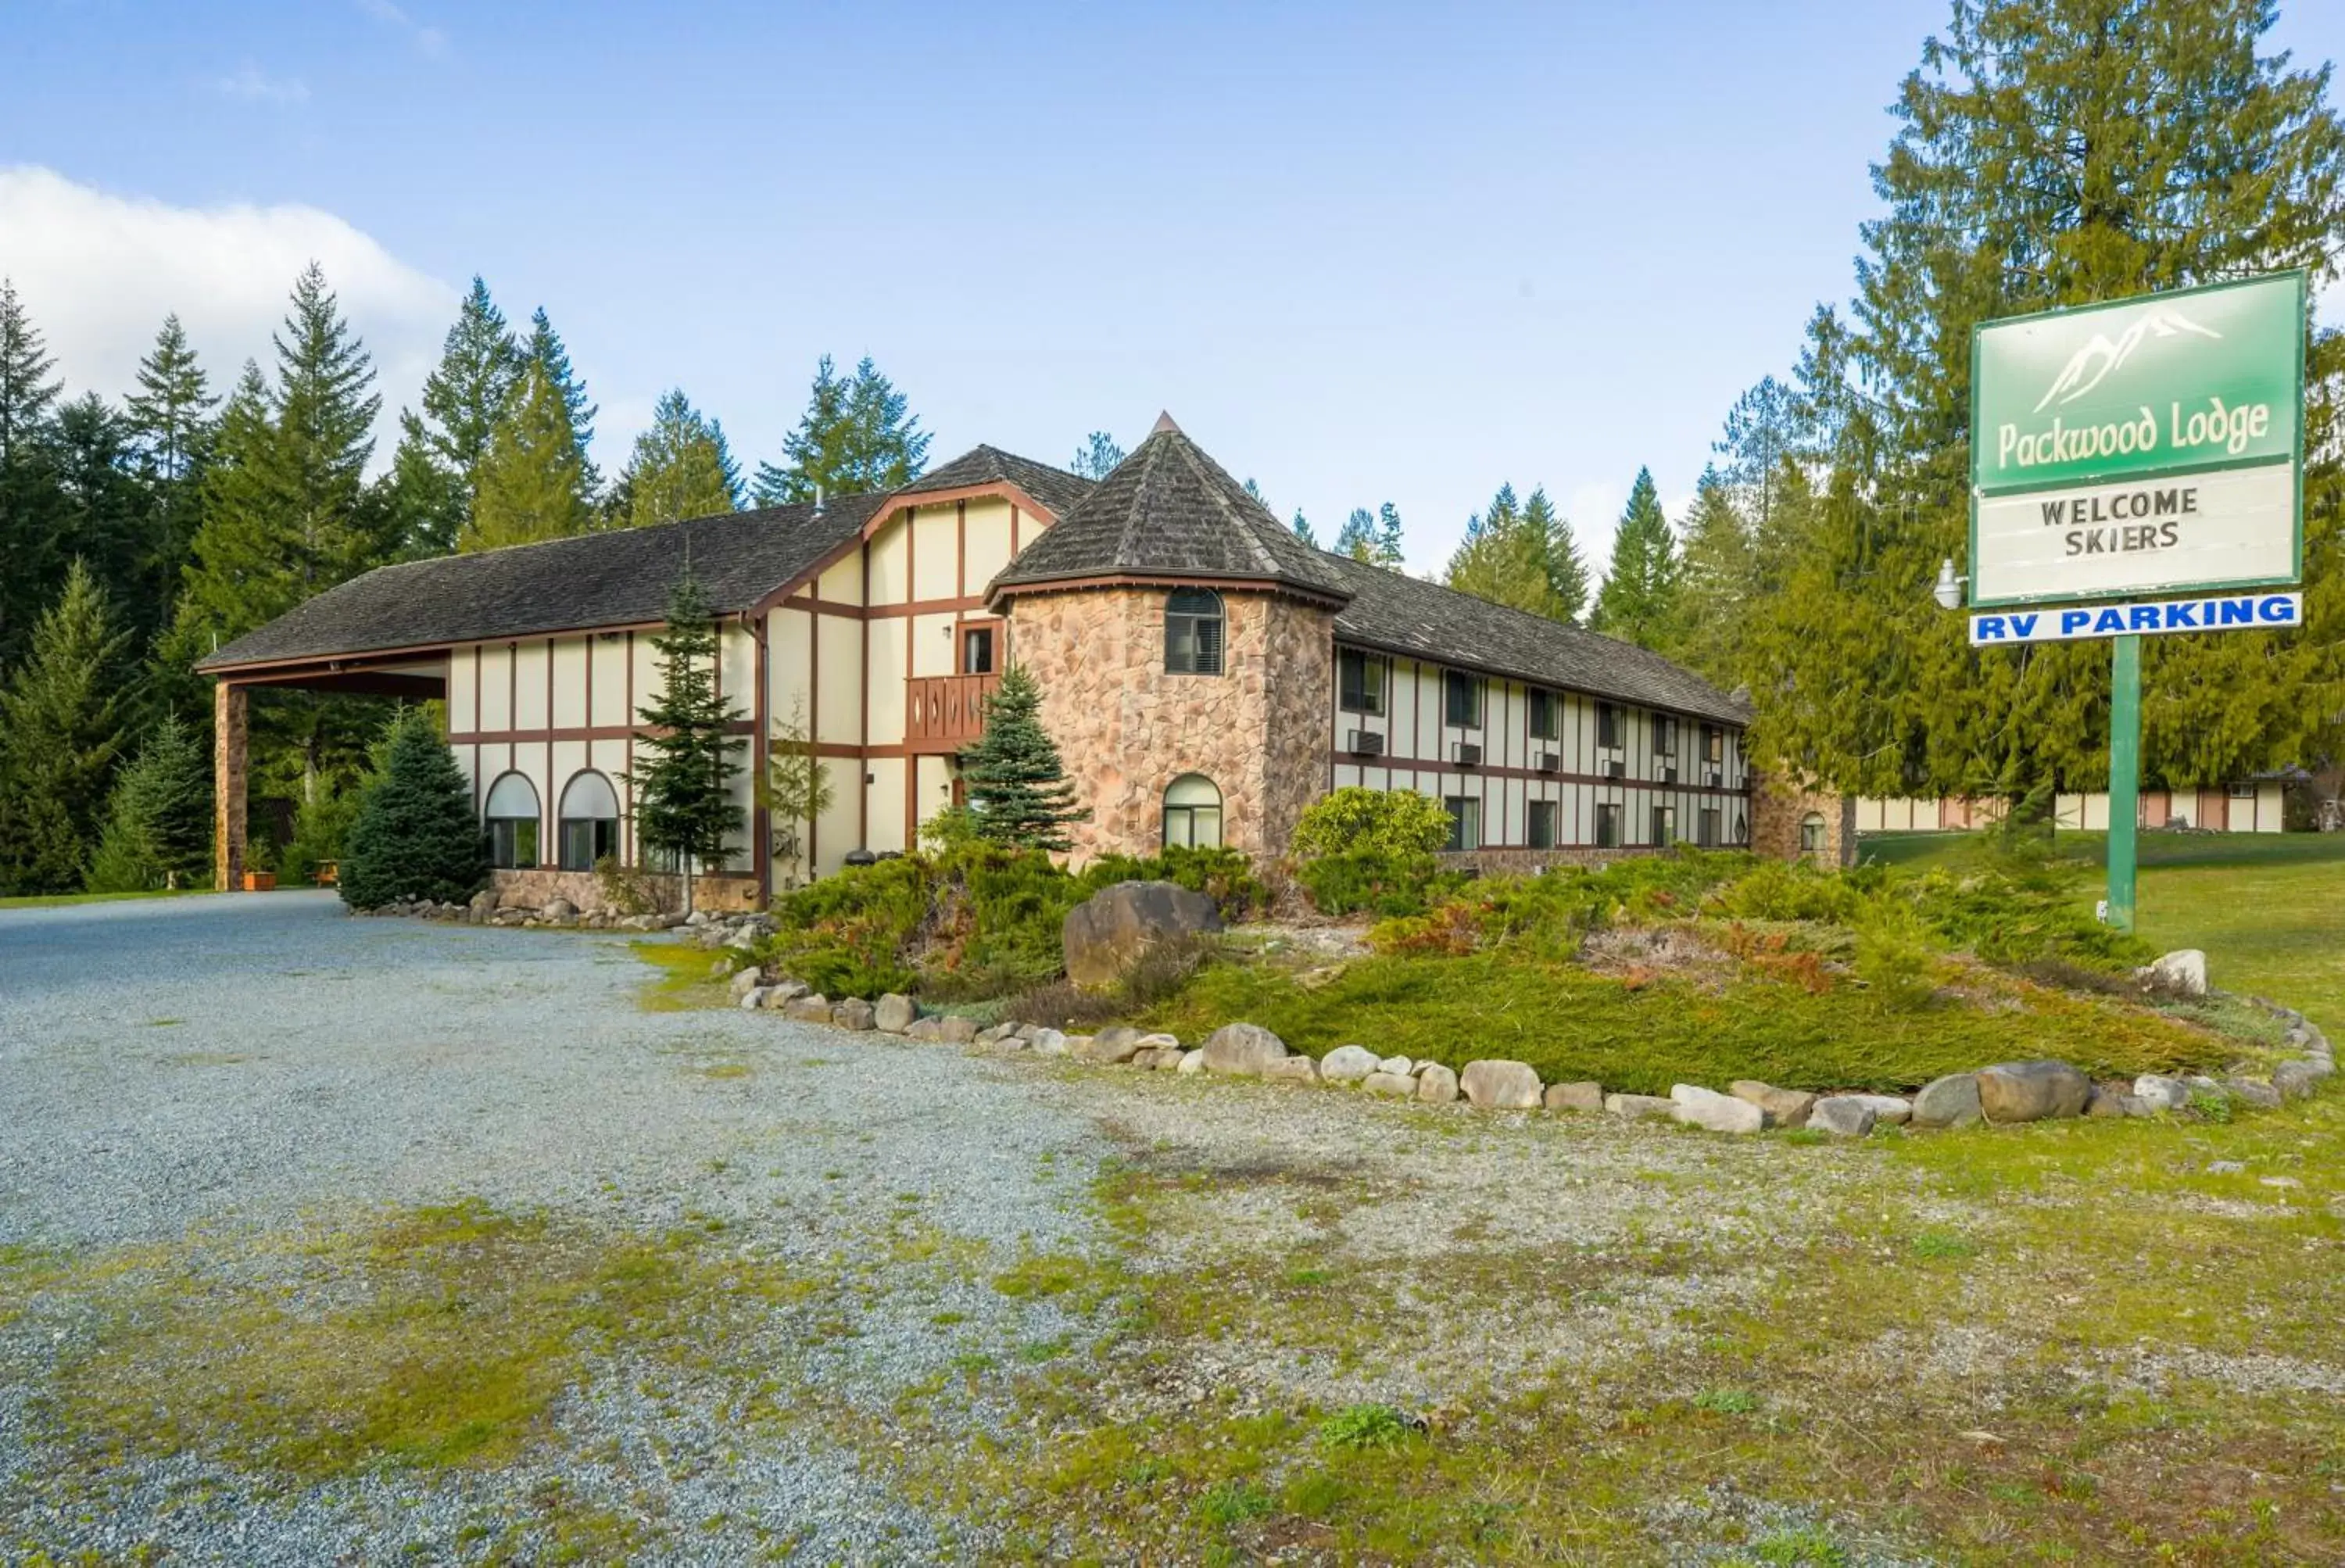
[142,535]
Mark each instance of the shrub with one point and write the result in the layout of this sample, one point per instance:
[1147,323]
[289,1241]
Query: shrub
[1370,881]
[1224,875]
[159,824]
[1351,821]
[629,889]
[1363,1427]
[321,830]
[415,837]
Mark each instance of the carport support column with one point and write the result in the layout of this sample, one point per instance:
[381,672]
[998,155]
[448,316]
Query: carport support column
[2125,773]
[228,735]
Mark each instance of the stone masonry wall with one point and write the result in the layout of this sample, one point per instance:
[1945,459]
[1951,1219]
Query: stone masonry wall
[1126,728]
[1779,805]
[533,890]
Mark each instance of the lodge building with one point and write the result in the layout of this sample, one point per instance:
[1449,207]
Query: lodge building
[1205,673]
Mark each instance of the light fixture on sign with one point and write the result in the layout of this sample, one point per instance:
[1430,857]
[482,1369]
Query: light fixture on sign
[1949,591]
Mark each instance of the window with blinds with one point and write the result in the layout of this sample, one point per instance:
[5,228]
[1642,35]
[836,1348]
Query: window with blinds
[1193,632]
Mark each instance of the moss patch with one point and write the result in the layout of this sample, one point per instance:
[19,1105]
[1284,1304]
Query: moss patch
[689,976]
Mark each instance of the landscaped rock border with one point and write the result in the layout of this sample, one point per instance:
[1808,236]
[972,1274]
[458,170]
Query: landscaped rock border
[2002,1092]
[710,928]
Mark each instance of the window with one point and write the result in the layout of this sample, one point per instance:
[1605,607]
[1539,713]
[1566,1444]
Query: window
[1547,715]
[590,821]
[1812,834]
[1665,736]
[1608,725]
[1464,699]
[1360,682]
[1465,822]
[1192,813]
[1706,828]
[1192,632]
[2244,792]
[1713,743]
[1607,825]
[1665,826]
[976,651]
[1542,825]
[513,824]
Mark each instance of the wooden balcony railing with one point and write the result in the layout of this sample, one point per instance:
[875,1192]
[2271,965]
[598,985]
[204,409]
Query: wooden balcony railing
[945,712]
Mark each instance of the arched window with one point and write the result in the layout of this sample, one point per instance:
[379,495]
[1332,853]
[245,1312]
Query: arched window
[590,821]
[1812,834]
[1192,813]
[512,823]
[1192,632]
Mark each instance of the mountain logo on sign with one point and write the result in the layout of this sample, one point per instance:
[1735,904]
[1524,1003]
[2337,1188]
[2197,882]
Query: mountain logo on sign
[2090,366]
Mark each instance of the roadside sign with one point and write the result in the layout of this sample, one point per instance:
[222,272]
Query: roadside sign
[2241,612]
[2148,445]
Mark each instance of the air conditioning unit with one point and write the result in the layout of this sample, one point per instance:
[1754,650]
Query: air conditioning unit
[1466,753]
[1711,776]
[1366,743]
[1616,768]
[1668,775]
[1547,762]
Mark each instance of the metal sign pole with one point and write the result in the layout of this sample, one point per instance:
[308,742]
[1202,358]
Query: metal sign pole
[2125,774]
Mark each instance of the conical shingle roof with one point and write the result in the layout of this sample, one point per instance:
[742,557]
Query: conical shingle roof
[1168,510]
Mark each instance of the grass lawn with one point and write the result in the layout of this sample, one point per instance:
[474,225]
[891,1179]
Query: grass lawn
[54,900]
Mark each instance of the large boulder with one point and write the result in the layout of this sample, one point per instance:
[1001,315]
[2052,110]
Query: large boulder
[1700,1107]
[1498,1084]
[2182,971]
[895,1013]
[1952,1101]
[2031,1091]
[1347,1063]
[1106,932]
[1245,1049]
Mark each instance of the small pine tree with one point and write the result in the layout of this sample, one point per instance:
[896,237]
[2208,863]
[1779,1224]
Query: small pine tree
[796,790]
[158,825]
[415,837]
[1638,602]
[1018,788]
[61,723]
[684,791]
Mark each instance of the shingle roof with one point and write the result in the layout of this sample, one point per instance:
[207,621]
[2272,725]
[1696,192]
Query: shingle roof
[1053,487]
[1400,614]
[616,578]
[1168,510]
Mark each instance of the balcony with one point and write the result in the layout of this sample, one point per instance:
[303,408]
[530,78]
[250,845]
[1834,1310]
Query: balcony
[944,713]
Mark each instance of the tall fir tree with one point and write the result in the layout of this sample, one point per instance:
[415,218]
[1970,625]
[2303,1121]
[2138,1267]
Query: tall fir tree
[1357,537]
[1389,548]
[1717,583]
[107,512]
[173,424]
[1565,567]
[1523,555]
[549,354]
[680,467]
[415,836]
[1638,602]
[1018,791]
[688,754]
[857,436]
[1097,457]
[437,470]
[2051,153]
[29,497]
[1302,526]
[529,487]
[159,820]
[61,725]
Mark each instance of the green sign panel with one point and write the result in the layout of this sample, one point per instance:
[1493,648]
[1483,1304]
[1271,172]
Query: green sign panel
[2167,383]
[2148,445]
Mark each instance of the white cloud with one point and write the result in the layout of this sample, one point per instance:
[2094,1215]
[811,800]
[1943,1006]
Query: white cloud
[99,273]
[251,84]
[428,40]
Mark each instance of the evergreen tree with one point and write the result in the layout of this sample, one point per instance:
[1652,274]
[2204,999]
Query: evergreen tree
[61,722]
[680,468]
[683,785]
[1097,457]
[1018,791]
[29,499]
[1303,529]
[1521,555]
[1638,602]
[529,485]
[857,437]
[1388,550]
[415,837]
[103,510]
[1357,537]
[1762,435]
[437,469]
[159,820]
[172,424]
[1565,567]
[2051,153]
[1718,580]
[547,352]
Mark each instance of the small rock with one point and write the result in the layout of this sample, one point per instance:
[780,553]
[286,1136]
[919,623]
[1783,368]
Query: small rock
[1045,1042]
[1399,1085]
[1296,1069]
[1637,1108]
[1952,1101]
[696,918]
[1244,1049]
[1498,1084]
[2031,1091]
[1781,1107]
[2182,972]
[1192,1062]
[483,905]
[2262,1096]
[1347,1063]
[2225,1167]
[752,999]
[1111,1047]
[558,909]
[2279,1181]
[1700,1107]
[2108,1103]
[1844,1115]
[1578,1096]
[852,1013]
[1399,1066]
[2161,1094]
[1438,1085]
[2294,1080]
[1888,1110]
[748,980]
[895,1012]
[926,1031]
[955,1030]
[812,1008]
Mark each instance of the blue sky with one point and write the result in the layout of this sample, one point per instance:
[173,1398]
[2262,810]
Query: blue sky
[1361,252]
